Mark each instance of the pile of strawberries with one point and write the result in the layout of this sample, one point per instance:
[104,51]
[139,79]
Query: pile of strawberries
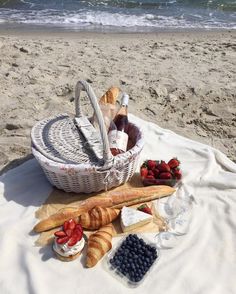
[154,172]
[71,232]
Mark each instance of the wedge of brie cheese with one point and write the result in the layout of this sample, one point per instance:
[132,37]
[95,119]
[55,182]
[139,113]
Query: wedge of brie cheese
[132,218]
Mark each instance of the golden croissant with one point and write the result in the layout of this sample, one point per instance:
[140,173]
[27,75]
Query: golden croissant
[98,217]
[98,245]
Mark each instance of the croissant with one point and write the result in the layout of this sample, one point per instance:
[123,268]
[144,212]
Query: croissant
[98,244]
[98,217]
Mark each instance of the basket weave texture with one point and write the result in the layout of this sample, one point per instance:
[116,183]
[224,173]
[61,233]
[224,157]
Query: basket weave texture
[71,162]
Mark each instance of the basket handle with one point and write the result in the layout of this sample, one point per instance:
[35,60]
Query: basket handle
[84,86]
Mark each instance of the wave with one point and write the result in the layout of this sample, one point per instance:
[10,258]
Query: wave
[92,18]
[132,14]
[227,5]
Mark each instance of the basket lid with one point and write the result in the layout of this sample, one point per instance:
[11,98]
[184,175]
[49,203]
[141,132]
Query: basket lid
[61,140]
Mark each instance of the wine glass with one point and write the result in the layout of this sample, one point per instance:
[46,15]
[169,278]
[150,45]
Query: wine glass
[176,210]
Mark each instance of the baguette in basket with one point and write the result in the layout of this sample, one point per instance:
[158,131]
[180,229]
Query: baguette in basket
[107,105]
[115,199]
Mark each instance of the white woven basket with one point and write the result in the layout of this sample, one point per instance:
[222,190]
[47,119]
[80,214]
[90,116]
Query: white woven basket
[69,164]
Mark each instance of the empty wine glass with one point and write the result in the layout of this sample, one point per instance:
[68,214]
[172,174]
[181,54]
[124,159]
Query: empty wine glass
[176,210]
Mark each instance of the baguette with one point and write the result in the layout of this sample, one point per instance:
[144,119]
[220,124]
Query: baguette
[57,219]
[114,199]
[134,196]
[110,96]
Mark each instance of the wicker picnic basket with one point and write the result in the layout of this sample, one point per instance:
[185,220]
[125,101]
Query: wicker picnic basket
[76,157]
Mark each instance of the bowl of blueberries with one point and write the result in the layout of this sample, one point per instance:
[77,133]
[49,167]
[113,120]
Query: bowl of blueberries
[132,259]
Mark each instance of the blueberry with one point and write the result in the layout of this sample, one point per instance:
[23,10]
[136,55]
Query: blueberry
[139,271]
[125,261]
[142,258]
[132,279]
[132,266]
[139,246]
[126,251]
[129,243]
[141,242]
[142,267]
[135,250]
[112,262]
[132,273]
[139,262]
[124,271]
[141,252]
[154,255]
[145,263]
[153,249]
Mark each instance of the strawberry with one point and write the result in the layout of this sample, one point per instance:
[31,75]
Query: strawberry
[151,173]
[62,240]
[73,240]
[150,177]
[69,232]
[156,173]
[163,167]
[79,228]
[149,182]
[160,182]
[178,174]
[65,225]
[145,208]
[165,176]
[78,234]
[72,224]
[143,172]
[174,162]
[151,164]
[60,234]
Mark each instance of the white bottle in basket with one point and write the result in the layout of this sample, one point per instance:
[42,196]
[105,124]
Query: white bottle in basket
[117,134]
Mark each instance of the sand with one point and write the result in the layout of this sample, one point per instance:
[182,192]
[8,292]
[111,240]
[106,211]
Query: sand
[185,82]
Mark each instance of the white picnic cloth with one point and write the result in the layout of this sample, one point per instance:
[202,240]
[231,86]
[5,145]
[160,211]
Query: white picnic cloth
[203,261]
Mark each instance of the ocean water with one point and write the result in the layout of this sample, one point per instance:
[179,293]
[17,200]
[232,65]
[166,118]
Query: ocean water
[121,15]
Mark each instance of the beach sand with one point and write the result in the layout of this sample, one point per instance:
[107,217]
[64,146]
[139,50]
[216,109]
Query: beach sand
[185,82]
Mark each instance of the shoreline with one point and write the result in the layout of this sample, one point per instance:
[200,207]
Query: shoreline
[36,31]
[182,81]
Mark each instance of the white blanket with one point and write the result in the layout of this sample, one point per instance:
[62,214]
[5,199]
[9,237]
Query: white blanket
[203,261]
